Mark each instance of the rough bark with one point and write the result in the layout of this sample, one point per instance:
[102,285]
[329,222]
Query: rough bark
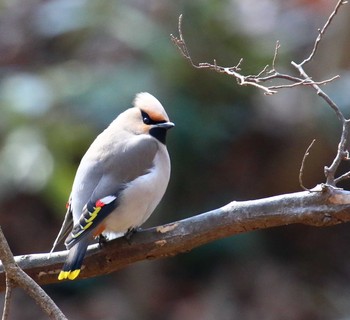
[323,206]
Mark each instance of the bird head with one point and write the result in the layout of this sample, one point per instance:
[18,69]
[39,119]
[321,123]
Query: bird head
[147,117]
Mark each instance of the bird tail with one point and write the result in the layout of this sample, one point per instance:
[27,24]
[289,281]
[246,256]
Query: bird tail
[71,268]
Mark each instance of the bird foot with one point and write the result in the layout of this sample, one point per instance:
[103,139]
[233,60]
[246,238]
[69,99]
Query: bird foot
[102,240]
[131,231]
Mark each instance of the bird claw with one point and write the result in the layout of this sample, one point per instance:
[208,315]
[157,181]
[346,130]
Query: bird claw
[102,240]
[130,233]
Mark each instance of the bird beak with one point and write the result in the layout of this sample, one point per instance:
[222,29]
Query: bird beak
[165,125]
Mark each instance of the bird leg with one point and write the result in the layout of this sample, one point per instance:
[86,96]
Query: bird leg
[130,232]
[102,240]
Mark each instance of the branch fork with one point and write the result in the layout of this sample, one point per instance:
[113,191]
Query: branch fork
[270,74]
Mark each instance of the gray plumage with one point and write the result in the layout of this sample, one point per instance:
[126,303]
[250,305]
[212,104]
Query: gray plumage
[128,160]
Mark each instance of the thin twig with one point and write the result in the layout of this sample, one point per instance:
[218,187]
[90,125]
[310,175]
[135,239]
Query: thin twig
[305,82]
[7,302]
[275,55]
[266,75]
[319,91]
[329,171]
[322,31]
[342,154]
[301,171]
[181,44]
[257,76]
[342,177]
[246,80]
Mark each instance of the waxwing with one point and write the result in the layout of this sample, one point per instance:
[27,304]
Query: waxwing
[119,182]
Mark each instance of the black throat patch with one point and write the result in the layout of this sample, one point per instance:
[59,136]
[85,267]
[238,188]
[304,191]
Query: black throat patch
[159,134]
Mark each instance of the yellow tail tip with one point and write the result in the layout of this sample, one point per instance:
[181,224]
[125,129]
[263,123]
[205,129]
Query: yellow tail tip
[71,275]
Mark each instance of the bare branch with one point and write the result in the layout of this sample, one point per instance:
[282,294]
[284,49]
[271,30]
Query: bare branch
[246,80]
[305,82]
[342,154]
[301,171]
[15,274]
[344,176]
[275,55]
[327,207]
[265,75]
[319,91]
[8,296]
[181,44]
[322,31]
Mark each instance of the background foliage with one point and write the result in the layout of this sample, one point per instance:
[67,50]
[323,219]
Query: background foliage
[67,68]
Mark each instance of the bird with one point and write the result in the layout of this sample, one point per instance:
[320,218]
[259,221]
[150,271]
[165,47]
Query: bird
[119,182]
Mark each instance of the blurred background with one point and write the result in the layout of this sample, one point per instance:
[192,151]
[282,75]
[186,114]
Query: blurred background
[67,68]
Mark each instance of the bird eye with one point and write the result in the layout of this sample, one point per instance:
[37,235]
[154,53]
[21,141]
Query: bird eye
[148,120]
[145,118]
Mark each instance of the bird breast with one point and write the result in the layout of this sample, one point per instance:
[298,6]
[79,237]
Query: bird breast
[141,196]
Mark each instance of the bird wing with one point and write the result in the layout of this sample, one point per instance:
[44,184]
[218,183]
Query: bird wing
[91,217]
[67,225]
[133,159]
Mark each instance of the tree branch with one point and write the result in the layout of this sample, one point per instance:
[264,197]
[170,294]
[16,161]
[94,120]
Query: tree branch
[12,274]
[304,79]
[324,206]
[301,171]
[342,151]
[266,74]
[8,296]
[322,31]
